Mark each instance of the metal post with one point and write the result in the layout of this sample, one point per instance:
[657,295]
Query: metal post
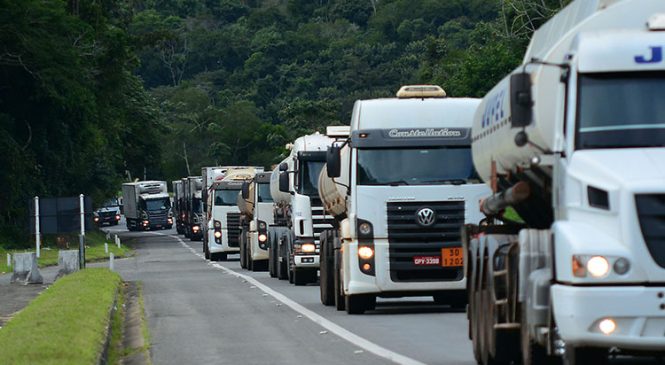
[38,237]
[9,260]
[111,257]
[82,235]
[106,247]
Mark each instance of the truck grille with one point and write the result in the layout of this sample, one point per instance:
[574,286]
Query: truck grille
[157,218]
[408,238]
[233,229]
[107,214]
[320,221]
[651,214]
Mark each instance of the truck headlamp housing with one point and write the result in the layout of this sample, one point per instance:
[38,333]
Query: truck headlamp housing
[598,267]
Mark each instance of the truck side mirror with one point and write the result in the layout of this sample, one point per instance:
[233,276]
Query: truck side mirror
[283,166]
[333,161]
[245,190]
[284,182]
[521,101]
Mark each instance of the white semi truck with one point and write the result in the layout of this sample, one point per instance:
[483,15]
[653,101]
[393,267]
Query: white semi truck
[255,204]
[574,141]
[147,205]
[400,190]
[298,213]
[223,226]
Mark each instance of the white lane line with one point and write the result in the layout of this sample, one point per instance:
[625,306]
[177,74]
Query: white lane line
[316,318]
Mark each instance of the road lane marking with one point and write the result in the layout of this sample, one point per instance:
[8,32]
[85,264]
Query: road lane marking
[314,317]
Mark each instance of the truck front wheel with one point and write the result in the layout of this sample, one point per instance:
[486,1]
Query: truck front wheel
[303,277]
[359,303]
[338,283]
[585,355]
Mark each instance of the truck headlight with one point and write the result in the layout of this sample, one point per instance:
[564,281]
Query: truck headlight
[218,234]
[308,248]
[598,266]
[262,238]
[365,252]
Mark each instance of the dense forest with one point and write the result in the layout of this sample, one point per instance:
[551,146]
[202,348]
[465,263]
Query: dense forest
[96,92]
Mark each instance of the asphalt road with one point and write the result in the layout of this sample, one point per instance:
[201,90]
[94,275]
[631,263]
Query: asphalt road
[216,313]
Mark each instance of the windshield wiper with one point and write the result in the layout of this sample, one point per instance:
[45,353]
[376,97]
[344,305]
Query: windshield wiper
[451,181]
[397,183]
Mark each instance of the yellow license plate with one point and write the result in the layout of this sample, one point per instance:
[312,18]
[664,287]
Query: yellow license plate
[452,257]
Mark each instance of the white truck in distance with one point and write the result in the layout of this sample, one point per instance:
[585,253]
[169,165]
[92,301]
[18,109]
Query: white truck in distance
[400,190]
[147,205]
[223,227]
[255,204]
[574,140]
[298,213]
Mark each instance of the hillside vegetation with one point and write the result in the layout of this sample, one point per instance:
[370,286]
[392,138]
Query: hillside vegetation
[93,93]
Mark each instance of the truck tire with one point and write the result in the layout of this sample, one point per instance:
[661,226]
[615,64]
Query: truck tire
[338,284]
[303,277]
[585,355]
[243,256]
[260,265]
[500,345]
[272,266]
[206,253]
[282,261]
[359,303]
[327,281]
[187,234]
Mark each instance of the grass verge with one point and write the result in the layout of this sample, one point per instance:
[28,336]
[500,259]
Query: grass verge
[94,251]
[66,324]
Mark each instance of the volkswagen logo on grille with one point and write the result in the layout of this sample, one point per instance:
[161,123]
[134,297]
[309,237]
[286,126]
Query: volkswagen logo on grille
[425,217]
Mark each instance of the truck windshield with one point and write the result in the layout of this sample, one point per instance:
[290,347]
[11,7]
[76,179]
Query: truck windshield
[264,193]
[309,177]
[153,205]
[621,110]
[111,203]
[196,205]
[226,196]
[416,166]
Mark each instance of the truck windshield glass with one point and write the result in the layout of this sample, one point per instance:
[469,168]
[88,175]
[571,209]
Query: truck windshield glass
[153,205]
[264,193]
[226,196]
[416,166]
[621,110]
[111,203]
[196,205]
[309,177]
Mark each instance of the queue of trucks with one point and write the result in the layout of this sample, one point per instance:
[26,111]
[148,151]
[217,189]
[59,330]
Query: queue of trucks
[539,208]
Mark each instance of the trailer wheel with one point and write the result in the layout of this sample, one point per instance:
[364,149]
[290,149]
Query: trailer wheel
[585,355]
[327,281]
[303,277]
[243,256]
[272,265]
[282,260]
[501,344]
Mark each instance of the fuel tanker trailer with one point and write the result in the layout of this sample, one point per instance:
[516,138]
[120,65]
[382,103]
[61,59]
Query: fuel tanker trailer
[298,213]
[573,140]
[255,204]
